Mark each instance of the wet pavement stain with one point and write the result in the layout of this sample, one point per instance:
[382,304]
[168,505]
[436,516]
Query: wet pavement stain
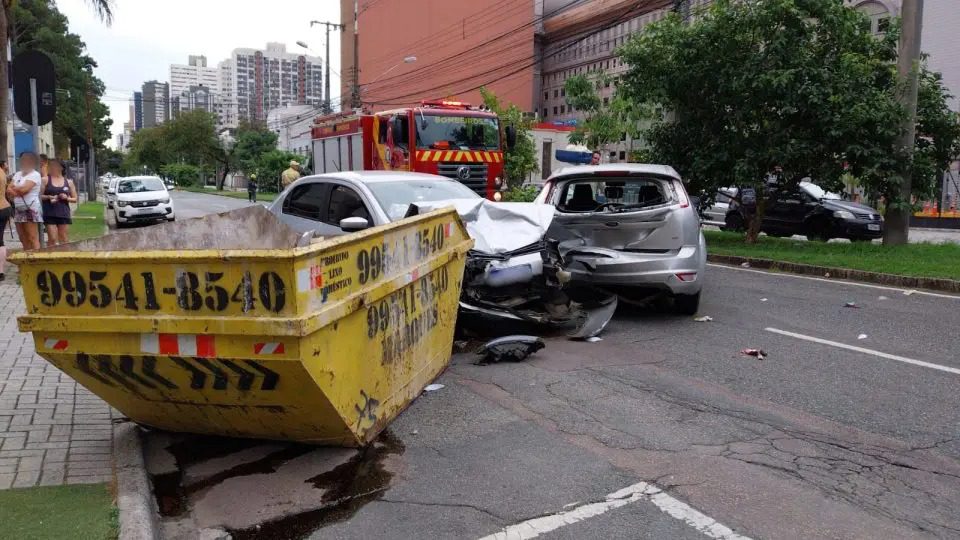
[173,498]
[349,487]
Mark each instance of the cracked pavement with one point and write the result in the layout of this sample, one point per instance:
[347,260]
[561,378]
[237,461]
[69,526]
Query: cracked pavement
[814,442]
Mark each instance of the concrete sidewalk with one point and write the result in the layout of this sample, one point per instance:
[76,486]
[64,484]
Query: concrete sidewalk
[52,431]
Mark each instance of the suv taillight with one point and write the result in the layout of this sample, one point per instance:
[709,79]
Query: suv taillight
[681,192]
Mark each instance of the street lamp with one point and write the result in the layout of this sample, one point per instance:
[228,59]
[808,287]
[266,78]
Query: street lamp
[406,60]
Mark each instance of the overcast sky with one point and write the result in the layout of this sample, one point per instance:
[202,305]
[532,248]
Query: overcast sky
[146,37]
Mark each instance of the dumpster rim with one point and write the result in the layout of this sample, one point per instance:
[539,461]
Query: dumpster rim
[187,256]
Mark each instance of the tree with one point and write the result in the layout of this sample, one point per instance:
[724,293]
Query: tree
[182,174]
[270,166]
[797,87]
[252,143]
[148,148]
[521,160]
[603,123]
[8,20]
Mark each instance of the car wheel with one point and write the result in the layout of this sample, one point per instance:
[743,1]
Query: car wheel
[686,304]
[171,219]
[820,230]
[735,223]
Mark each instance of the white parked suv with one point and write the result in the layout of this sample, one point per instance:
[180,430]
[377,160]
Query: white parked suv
[142,198]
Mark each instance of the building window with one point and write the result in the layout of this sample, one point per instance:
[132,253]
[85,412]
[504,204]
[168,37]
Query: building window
[556,93]
[606,101]
[623,155]
[563,109]
[554,110]
[546,96]
[563,92]
[544,112]
[883,25]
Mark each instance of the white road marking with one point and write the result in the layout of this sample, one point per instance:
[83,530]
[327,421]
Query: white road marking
[862,350]
[641,491]
[835,281]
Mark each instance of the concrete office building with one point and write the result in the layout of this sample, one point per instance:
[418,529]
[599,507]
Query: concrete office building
[184,78]
[156,103]
[255,81]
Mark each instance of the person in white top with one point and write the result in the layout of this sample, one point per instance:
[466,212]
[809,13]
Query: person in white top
[25,192]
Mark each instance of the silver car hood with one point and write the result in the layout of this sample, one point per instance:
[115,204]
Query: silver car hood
[499,227]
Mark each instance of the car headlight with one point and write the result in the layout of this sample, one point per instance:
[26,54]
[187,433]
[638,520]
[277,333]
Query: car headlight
[122,203]
[843,214]
[165,201]
[498,181]
[498,196]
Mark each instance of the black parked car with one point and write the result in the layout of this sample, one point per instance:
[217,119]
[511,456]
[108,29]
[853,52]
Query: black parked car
[808,211]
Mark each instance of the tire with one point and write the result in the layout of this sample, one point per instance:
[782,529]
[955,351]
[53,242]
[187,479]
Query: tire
[686,304]
[171,220]
[735,223]
[819,231]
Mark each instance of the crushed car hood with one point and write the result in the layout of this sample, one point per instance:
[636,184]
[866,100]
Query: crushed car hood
[498,227]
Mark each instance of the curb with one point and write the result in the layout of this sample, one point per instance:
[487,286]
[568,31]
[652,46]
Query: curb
[892,280]
[138,509]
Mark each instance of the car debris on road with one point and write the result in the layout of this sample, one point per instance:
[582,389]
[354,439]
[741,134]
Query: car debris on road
[509,349]
[759,354]
[705,318]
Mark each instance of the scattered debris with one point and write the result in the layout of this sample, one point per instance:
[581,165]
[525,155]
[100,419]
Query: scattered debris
[596,320]
[745,265]
[862,336]
[882,298]
[911,292]
[594,339]
[852,305]
[460,346]
[763,299]
[509,349]
[827,275]
[433,387]
[760,354]
[705,318]
[415,432]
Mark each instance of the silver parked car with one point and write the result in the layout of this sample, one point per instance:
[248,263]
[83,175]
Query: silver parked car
[338,203]
[629,225]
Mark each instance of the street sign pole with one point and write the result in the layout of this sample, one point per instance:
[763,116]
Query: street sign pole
[35,126]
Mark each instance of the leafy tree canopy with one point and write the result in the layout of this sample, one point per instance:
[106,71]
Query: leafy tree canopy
[521,160]
[754,86]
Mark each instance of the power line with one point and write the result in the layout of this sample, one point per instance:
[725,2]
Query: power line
[626,14]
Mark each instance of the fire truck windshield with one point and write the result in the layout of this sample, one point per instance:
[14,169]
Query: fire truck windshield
[457,133]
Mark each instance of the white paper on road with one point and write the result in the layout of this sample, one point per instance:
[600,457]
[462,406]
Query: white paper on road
[499,227]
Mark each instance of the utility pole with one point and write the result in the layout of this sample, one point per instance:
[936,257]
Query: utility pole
[91,158]
[326,77]
[355,93]
[897,230]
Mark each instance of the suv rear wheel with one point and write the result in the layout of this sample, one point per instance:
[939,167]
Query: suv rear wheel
[686,304]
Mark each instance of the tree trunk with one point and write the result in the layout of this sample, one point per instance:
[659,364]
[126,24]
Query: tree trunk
[4,83]
[753,227]
[221,178]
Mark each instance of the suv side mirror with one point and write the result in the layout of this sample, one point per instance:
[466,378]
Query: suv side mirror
[353,224]
[511,133]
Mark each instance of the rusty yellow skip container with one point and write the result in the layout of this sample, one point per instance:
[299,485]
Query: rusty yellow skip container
[207,326]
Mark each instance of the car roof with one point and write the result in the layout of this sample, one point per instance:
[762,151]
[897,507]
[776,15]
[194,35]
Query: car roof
[632,168]
[374,177]
[139,178]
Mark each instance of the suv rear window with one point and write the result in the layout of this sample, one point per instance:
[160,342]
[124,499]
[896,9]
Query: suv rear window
[590,195]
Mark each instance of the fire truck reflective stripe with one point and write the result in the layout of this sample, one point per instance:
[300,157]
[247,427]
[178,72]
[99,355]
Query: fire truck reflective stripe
[468,156]
[268,348]
[437,155]
[55,344]
[448,155]
[496,157]
[424,156]
[179,344]
[486,157]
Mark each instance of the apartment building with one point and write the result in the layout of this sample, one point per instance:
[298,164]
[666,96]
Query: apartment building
[156,103]
[255,81]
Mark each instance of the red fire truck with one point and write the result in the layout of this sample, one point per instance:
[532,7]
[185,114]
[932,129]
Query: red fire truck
[449,138]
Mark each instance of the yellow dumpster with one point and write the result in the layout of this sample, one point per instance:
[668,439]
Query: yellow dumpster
[229,325]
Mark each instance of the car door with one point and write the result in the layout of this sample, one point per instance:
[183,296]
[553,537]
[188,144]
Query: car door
[344,202]
[304,208]
[785,214]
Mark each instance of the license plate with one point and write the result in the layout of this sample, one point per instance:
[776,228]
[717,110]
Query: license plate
[873,227]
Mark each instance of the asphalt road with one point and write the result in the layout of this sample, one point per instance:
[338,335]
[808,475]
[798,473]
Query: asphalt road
[834,435]
[190,205]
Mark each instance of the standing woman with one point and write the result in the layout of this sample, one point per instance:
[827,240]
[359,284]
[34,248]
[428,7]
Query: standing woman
[25,192]
[57,192]
[6,212]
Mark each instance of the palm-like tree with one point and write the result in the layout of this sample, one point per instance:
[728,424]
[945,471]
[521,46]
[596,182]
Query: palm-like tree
[103,9]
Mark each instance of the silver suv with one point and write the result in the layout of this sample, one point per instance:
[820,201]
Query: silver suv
[629,225]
